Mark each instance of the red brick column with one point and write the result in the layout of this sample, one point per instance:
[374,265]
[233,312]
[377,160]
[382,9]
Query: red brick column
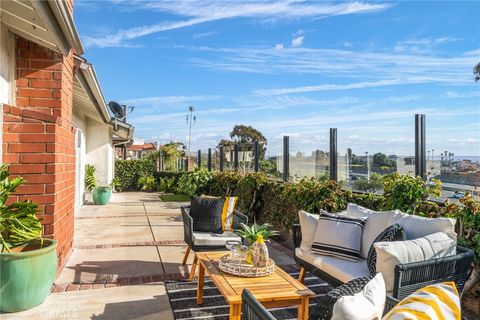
[39,139]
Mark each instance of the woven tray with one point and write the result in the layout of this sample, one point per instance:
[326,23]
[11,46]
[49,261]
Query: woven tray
[244,269]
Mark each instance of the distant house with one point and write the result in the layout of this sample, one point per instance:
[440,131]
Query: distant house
[53,115]
[136,149]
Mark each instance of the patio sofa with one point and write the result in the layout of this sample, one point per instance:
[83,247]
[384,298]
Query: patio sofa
[408,277]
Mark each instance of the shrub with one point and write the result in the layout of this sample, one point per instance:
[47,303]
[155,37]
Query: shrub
[147,183]
[167,184]
[194,183]
[90,179]
[129,171]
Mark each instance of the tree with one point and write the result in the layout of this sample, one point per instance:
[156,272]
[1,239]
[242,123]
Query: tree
[170,153]
[476,71]
[244,136]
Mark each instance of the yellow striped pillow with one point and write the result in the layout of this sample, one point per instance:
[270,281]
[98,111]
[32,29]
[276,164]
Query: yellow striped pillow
[438,301]
[227,211]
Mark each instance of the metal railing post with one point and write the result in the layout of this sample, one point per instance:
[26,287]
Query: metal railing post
[420,146]
[199,159]
[222,160]
[209,162]
[256,152]
[333,154]
[235,156]
[286,158]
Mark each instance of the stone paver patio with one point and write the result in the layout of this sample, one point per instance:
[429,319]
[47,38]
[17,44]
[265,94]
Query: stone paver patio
[123,253]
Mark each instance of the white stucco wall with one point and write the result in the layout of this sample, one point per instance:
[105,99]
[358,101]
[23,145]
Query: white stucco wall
[7,73]
[100,150]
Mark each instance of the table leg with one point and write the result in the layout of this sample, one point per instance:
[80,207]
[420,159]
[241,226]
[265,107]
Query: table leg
[235,311]
[301,275]
[303,309]
[201,275]
[192,271]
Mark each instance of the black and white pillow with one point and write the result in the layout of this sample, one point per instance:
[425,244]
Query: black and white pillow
[393,233]
[207,214]
[338,236]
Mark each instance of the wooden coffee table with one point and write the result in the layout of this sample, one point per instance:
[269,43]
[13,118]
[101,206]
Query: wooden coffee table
[276,290]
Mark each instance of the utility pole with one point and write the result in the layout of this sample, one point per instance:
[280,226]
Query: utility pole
[191,119]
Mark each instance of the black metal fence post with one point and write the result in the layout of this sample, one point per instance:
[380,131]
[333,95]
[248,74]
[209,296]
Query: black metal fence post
[235,156]
[209,163]
[333,154]
[185,163]
[256,152]
[199,159]
[286,158]
[222,158]
[420,146]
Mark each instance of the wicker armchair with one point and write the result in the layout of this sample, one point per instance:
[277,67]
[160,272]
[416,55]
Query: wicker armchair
[252,309]
[189,236]
[409,277]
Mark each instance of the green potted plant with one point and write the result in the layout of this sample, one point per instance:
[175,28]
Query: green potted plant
[256,235]
[28,262]
[100,193]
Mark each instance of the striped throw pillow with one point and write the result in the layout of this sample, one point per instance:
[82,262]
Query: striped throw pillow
[227,211]
[434,302]
[338,236]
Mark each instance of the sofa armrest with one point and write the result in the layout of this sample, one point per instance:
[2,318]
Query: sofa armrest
[297,235]
[187,225]
[252,309]
[390,302]
[238,219]
[415,275]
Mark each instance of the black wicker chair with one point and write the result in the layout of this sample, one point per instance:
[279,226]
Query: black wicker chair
[238,218]
[409,277]
[252,309]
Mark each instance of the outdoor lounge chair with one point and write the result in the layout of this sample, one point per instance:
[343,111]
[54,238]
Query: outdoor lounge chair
[205,241]
[252,309]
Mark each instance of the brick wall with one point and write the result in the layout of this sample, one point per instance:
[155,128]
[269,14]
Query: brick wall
[39,139]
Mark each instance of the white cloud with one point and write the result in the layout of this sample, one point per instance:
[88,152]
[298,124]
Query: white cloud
[204,34]
[472,140]
[197,12]
[422,45]
[456,94]
[279,46]
[297,42]
[170,101]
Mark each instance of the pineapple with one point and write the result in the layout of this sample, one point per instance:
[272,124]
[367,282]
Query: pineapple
[256,236]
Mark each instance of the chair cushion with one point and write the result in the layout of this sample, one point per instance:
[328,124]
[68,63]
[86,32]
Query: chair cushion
[377,222]
[338,236]
[435,302]
[367,304]
[392,233]
[227,211]
[308,225]
[213,239]
[416,226]
[207,214]
[389,254]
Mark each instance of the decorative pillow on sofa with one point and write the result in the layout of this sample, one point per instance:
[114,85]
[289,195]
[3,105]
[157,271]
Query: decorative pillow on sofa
[434,302]
[392,233]
[227,211]
[338,236]
[207,214]
[389,254]
[416,226]
[376,223]
[367,304]
[308,225]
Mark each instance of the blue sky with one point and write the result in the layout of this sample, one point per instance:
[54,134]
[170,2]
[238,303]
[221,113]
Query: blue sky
[292,67]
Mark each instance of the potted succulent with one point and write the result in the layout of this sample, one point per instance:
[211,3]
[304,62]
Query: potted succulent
[28,262]
[256,235]
[100,194]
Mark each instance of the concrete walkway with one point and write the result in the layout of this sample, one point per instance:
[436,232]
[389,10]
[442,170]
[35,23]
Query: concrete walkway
[123,253]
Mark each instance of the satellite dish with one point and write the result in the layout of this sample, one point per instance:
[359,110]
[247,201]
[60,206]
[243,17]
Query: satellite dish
[117,110]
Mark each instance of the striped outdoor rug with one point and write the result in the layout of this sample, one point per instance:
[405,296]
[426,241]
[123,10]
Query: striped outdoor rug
[183,299]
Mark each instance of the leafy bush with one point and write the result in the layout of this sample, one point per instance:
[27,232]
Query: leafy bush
[405,192]
[194,183]
[167,184]
[90,179]
[373,184]
[18,222]
[129,171]
[147,183]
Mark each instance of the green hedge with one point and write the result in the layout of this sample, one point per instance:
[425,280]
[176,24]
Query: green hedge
[128,172]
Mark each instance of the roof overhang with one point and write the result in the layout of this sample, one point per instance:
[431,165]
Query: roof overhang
[122,131]
[48,23]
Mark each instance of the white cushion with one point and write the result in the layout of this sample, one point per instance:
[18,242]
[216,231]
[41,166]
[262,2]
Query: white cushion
[377,222]
[308,224]
[338,236]
[389,254]
[340,269]
[213,239]
[343,270]
[416,226]
[365,305]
